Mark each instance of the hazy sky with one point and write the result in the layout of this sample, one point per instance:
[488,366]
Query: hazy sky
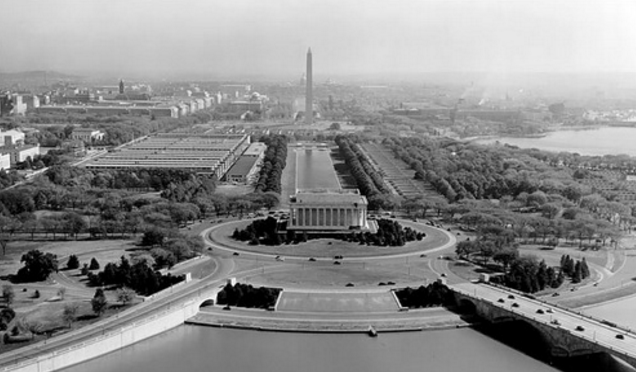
[270,37]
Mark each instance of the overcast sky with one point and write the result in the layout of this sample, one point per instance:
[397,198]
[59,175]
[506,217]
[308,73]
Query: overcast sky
[259,37]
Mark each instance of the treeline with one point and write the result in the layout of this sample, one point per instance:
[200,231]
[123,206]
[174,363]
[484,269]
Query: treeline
[528,275]
[260,231]
[265,231]
[174,182]
[9,178]
[119,129]
[245,295]
[168,247]
[274,162]
[390,234]
[368,180]
[139,276]
[434,294]
[575,270]
[463,170]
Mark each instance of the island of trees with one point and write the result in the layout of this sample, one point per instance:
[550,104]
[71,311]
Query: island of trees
[266,231]
[245,295]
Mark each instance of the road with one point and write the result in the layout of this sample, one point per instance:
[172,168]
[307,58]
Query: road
[593,330]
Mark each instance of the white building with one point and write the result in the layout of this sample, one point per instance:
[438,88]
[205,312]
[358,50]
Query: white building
[87,134]
[328,210]
[5,161]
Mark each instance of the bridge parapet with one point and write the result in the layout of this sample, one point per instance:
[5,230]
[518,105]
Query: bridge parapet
[564,332]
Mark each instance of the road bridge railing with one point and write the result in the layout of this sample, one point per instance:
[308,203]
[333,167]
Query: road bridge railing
[563,308]
[627,346]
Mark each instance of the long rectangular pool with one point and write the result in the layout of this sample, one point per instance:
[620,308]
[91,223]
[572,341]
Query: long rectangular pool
[314,170]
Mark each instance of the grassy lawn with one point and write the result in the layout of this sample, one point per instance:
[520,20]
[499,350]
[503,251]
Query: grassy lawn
[328,247]
[49,316]
[233,190]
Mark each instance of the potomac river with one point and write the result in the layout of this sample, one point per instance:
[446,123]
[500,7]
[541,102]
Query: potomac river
[191,348]
[600,141]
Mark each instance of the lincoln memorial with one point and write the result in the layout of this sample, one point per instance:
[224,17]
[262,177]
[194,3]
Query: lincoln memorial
[328,210]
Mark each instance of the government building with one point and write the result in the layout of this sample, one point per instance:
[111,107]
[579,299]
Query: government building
[328,211]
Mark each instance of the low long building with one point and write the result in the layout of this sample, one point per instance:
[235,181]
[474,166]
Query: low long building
[203,154]
[243,170]
[328,210]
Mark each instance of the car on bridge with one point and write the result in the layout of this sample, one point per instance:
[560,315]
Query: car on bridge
[580,328]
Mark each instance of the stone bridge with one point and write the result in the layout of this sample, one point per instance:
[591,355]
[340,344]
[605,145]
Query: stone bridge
[565,333]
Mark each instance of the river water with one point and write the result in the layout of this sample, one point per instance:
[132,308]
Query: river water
[601,141]
[191,348]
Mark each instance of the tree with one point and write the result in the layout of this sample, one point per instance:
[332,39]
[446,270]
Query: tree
[34,327]
[37,266]
[73,223]
[73,262]
[153,237]
[334,126]
[577,276]
[94,264]
[506,257]
[585,270]
[70,313]
[99,302]
[8,294]
[125,295]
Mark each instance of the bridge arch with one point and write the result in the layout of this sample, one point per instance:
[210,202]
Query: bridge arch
[522,335]
[207,302]
[467,306]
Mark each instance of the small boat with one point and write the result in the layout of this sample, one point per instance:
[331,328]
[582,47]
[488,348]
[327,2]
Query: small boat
[372,332]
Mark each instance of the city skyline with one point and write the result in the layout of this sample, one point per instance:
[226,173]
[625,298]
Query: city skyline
[247,38]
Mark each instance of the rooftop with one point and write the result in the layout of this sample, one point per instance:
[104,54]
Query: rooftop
[255,149]
[242,166]
[328,196]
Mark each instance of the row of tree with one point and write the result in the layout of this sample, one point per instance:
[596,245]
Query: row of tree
[434,294]
[245,295]
[576,270]
[369,181]
[274,162]
[390,234]
[528,275]
[139,276]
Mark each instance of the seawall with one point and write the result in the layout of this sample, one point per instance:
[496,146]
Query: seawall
[108,342]
[168,318]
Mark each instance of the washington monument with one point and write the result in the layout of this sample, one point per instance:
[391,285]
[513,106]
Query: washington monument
[309,97]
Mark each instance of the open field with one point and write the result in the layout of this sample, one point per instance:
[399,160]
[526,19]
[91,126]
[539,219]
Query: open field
[327,275]
[233,190]
[337,302]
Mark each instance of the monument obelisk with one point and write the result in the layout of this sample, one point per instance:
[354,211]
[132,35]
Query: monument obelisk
[309,97]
